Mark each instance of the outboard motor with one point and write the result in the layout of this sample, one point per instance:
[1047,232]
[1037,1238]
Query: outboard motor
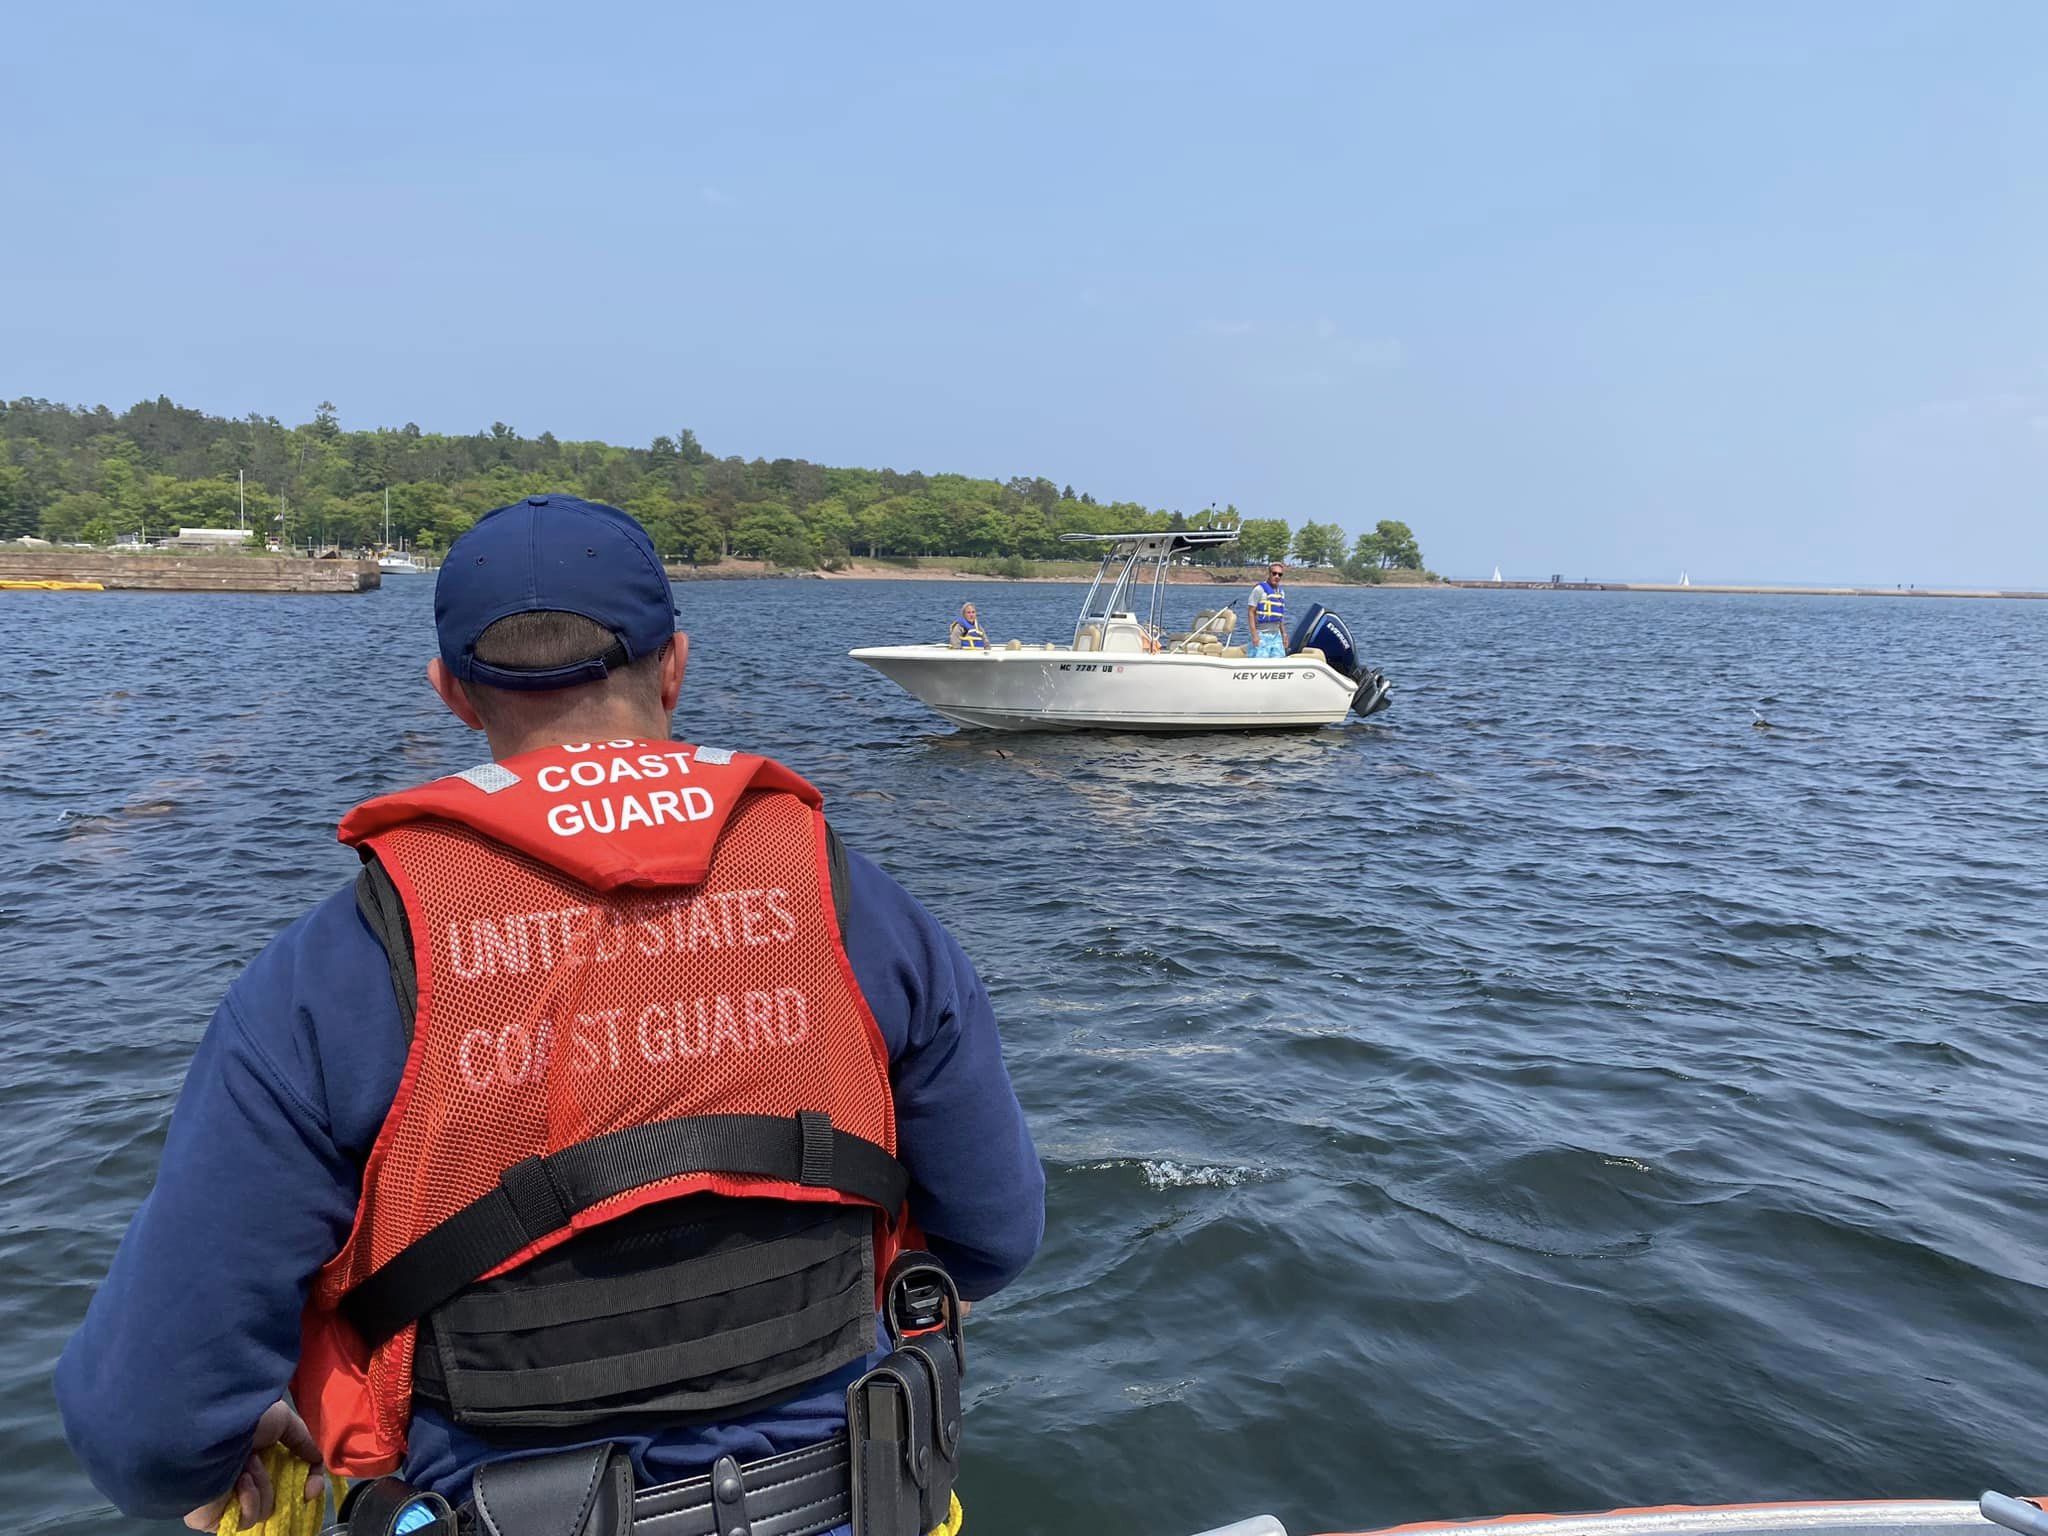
[1327,633]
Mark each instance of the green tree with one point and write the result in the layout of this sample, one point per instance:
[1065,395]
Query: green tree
[16,516]
[1398,548]
[201,503]
[905,525]
[122,486]
[1264,539]
[1318,544]
[793,552]
[832,527]
[66,519]
[1032,536]
[699,539]
[657,512]
[1388,546]
[774,534]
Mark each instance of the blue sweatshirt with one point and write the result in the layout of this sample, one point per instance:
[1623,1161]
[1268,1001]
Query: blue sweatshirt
[196,1329]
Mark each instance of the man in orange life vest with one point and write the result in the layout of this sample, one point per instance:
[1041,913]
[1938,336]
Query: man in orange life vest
[592,1113]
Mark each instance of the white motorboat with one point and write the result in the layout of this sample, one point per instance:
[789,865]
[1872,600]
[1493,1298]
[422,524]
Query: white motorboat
[1119,672]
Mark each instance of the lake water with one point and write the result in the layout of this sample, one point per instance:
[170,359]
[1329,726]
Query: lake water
[1553,1093]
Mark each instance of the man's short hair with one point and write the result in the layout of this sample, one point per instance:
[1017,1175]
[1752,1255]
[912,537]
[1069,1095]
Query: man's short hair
[550,639]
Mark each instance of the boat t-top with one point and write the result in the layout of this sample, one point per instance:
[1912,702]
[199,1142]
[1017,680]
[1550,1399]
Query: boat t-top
[1121,672]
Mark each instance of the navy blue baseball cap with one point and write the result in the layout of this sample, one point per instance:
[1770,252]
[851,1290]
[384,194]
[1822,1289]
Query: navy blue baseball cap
[552,554]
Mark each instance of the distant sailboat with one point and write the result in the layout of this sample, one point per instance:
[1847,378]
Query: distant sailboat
[1496,573]
[1684,580]
[395,562]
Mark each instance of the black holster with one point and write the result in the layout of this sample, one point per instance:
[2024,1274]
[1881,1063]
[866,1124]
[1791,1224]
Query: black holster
[903,1417]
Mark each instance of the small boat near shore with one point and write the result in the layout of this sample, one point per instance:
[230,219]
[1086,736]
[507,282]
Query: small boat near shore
[395,562]
[1120,672]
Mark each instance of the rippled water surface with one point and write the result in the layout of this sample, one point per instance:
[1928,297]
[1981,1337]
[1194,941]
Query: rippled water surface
[1554,1093]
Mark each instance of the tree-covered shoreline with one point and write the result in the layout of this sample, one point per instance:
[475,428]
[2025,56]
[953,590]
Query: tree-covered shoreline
[88,474]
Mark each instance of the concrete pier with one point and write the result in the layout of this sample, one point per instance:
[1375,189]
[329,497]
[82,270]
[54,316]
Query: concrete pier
[165,572]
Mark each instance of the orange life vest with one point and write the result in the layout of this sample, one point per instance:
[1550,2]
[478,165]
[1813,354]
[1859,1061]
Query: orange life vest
[631,987]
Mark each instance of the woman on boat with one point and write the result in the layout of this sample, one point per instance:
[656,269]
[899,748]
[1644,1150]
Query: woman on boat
[966,633]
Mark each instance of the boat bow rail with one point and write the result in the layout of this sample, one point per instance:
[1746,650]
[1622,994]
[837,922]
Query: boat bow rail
[1991,1514]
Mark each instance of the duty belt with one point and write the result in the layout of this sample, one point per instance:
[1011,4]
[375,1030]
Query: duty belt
[891,1474]
[589,1492]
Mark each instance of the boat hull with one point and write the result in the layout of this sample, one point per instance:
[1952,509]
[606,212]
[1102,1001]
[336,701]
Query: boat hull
[1879,1517]
[1063,690]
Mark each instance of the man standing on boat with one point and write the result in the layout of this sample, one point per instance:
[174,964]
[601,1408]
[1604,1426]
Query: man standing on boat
[591,1114]
[1267,610]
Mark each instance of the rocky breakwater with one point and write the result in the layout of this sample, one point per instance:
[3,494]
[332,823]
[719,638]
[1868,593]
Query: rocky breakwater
[164,572]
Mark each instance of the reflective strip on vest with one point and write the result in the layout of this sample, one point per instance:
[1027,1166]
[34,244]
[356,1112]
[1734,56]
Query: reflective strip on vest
[1269,604]
[551,1013]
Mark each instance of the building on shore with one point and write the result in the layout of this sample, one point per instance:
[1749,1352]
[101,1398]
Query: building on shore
[209,538]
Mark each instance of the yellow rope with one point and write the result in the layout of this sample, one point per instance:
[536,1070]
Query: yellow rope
[950,1526]
[292,1513]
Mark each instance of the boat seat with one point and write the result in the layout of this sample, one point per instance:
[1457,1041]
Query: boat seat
[1089,639]
[1211,628]
[1312,653]
[1233,650]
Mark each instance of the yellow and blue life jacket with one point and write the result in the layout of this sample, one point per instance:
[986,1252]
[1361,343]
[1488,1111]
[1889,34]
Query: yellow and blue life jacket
[1269,604]
[972,636]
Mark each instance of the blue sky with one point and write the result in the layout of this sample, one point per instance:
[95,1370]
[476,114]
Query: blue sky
[1749,290]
